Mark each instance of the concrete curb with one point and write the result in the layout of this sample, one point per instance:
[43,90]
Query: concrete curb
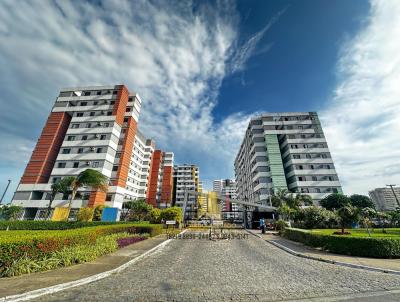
[359,266]
[59,287]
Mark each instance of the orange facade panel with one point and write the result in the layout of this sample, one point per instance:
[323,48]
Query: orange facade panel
[120,104]
[126,153]
[153,178]
[44,155]
[167,185]
[96,198]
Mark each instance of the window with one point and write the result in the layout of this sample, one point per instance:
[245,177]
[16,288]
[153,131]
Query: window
[92,113]
[80,150]
[61,165]
[112,102]
[88,125]
[95,164]
[103,137]
[118,155]
[83,104]
[125,120]
[312,167]
[308,156]
[128,109]
[296,156]
[108,197]
[99,150]
[75,126]
[106,125]
[76,164]
[79,114]
[314,178]
[115,92]
[66,151]
[70,138]
[86,93]
[301,167]
[98,93]
[84,137]
[115,168]
[55,179]
[109,113]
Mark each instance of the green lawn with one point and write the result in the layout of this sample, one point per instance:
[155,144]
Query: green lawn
[377,232]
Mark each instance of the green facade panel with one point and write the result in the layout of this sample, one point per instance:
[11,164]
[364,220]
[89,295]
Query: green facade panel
[275,162]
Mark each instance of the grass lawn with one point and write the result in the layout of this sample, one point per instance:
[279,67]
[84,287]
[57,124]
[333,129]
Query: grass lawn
[377,232]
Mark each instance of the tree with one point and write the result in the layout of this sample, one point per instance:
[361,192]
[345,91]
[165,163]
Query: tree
[366,214]
[137,209]
[361,201]
[173,213]
[10,212]
[335,201]
[154,215]
[89,177]
[279,197]
[61,186]
[348,214]
[382,217]
[304,199]
[85,214]
[98,211]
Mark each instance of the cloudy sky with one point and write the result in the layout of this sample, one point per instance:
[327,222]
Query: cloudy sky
[203,68]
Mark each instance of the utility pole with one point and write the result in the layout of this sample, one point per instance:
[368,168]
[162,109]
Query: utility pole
[5,191]
[394,193]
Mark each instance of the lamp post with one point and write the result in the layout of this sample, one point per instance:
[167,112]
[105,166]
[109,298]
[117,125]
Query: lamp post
[5,191]
[394,193]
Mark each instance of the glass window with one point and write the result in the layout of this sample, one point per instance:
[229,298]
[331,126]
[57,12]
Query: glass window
[70,138]
[61,165]
[84,137]
[76,164]
[80,150]
[66,151]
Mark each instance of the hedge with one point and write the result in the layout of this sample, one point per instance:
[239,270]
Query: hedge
[39,244]
[52,225]
[355,246]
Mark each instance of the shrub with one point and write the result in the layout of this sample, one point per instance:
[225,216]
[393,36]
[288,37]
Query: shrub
[281,225]
[154,216]
[85,214]
[98,211]
[318,218]
[123,242]
[354,246]
[173,213]
[53,225]
[10,212]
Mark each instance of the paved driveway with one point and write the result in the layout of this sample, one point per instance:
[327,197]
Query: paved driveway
[233,270]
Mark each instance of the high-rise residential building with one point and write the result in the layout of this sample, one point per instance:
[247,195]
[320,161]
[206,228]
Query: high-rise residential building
[186,179]
[385,199]
[160,186]
[285,150]
[226,189]
[88,127]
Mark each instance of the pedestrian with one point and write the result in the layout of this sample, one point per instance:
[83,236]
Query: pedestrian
[262,225]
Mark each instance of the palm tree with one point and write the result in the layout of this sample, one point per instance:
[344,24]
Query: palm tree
[61,186]
[91,178]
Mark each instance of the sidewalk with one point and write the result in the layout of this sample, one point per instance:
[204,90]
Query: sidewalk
[24,283]
[389,264]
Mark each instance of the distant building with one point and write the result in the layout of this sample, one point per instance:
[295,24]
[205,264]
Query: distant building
[384,199]
[186,181]
[226,188]
[286,150]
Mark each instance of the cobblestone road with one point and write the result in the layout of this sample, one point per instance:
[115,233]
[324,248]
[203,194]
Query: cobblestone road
[230,270]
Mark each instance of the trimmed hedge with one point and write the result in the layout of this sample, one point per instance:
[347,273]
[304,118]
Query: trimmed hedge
[355,246]
[39,244]
[52,225]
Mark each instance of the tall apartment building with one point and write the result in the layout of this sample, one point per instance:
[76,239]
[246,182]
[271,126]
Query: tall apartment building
[160,192]
[285,150]
[226,188]
[88,127]
[186,178]
[385,199]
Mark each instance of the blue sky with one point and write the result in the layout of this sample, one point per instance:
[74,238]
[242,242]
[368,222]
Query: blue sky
[203,68]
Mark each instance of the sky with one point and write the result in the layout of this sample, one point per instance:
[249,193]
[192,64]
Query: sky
[203,68]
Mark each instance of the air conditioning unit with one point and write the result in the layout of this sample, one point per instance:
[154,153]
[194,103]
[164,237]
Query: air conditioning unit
[102,112]
[92,149]
[99,124]
[87,163]
[96,136]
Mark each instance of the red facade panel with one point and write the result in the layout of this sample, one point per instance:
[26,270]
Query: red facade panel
[153,178]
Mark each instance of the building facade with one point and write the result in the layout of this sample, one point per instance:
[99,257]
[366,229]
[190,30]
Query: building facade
[186,180]
[386,199]
[285,150]
[226,189]
[88,127]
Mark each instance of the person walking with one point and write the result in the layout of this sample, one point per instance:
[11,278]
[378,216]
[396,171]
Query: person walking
[262,225]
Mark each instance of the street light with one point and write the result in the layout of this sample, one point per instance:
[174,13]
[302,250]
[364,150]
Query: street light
[5,191]
[394,193]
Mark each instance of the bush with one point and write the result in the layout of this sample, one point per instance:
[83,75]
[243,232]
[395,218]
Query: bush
[98,211]
[318,218]
[53,225]
[154,216]
[10,212]
[173,213]
[354,246]
[281,225]
[85,214]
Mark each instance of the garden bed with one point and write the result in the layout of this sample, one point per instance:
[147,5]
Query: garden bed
[25,251]
[355,244]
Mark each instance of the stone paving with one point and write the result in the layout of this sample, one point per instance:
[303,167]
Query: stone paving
[229,270]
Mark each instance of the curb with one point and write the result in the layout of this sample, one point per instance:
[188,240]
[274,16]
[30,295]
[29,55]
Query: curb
[59,287]
[301,255]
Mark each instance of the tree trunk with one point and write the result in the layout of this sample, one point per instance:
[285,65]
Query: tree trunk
[73,193]
[49,209]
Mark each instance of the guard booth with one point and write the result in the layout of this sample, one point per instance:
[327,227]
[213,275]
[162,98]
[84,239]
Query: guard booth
[257,215]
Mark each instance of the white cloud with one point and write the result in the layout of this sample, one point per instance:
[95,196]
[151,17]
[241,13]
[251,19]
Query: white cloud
[362,123]
[174,55]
